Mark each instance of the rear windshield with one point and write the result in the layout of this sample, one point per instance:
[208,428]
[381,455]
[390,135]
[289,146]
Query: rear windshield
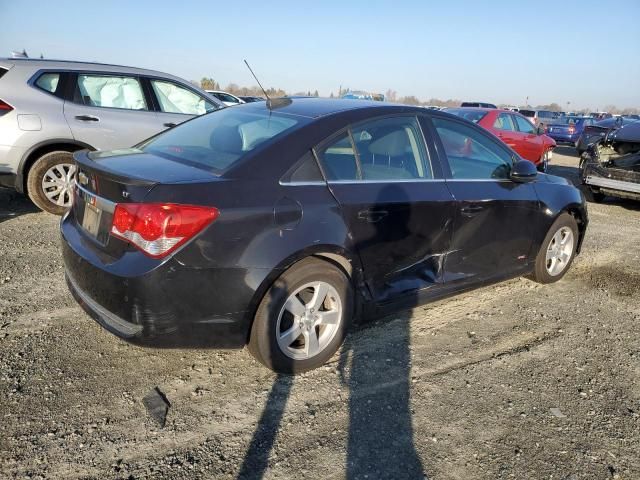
[568,121]
[218,140]
[472,115]
[528,113]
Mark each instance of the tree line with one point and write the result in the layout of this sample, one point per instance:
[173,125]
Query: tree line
[208,83]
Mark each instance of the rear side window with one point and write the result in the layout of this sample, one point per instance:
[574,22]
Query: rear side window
[504,122]
[524,125]
[217,141]
[3,71]
[110,92]
[385,149]
[48,82]
[471,154]
[176,99]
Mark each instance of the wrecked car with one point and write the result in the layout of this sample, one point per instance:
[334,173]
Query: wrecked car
[611,166]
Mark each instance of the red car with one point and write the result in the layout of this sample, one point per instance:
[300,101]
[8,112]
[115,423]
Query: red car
[513,129]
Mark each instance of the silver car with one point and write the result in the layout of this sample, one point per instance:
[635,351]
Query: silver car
[49,109]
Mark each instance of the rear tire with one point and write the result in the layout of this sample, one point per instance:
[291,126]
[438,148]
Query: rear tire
[50,182]
[322,296]
[594,195]
[557,251]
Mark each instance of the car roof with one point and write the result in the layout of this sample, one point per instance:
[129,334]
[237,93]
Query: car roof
[313,107]
[37,64]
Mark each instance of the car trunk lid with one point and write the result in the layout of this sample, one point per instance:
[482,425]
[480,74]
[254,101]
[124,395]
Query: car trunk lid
[105,179]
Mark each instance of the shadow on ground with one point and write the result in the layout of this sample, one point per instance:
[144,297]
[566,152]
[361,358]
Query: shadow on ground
[14,204]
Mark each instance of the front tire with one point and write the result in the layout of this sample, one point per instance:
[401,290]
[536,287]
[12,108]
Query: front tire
[302,319]
[544,162]
[50,182]
[558,250]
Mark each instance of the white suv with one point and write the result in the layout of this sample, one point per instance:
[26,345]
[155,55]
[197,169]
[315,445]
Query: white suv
[49,109]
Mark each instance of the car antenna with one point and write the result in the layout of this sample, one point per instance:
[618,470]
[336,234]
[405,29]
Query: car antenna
[261,87]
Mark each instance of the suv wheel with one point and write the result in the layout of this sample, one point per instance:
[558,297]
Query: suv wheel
[50,182]
[557,251]
[302,319]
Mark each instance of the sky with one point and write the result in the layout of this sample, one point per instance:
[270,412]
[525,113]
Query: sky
[579,54]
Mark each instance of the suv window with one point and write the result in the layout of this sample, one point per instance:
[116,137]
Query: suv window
[109,91]
[504,122]
[176,99]
[48,82]
[472,154]
[385,149]
[524,125]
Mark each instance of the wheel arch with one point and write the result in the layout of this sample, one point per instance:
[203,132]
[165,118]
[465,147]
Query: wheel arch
[347,262]
[40,149]
[579,214]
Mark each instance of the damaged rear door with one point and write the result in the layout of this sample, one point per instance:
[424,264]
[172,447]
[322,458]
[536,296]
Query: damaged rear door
[394,201]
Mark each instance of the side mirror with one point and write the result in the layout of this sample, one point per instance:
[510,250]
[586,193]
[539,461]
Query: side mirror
[524,171]
[541,129]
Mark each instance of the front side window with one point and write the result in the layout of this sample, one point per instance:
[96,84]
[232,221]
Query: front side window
[380,150]
[504,122]
[524,125]
[472,154]
[176,99]
[110,91]
[48,82]
[215,142]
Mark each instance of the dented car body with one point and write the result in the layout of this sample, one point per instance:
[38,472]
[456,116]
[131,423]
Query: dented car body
[611,166]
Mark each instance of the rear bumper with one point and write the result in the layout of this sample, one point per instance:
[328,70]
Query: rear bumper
[564,138]
[158,304]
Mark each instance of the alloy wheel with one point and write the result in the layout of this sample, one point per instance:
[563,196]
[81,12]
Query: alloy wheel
[559,251]
[309,320]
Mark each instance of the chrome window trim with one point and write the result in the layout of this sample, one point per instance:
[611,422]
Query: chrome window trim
[301,184]
[399,180]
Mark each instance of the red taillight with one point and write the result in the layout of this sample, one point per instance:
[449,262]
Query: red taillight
[5,107]
[157,229]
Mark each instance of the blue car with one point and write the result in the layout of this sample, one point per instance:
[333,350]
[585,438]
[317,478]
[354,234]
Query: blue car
[568,129]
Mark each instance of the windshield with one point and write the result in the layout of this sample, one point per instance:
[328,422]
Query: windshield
[472,115]
[218,140]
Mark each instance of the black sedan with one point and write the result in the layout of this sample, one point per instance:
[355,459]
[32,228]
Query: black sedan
[276,224]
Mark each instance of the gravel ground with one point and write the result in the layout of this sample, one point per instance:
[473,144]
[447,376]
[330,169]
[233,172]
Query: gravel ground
[515,380]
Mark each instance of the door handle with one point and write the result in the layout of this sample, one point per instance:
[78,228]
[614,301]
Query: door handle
[87,118]
[170,124]
[372,216]
[471,210]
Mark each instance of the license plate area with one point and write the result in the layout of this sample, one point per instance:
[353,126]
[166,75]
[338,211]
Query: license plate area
[91,219]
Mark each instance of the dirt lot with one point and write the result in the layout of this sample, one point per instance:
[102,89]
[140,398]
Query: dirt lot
[516,380]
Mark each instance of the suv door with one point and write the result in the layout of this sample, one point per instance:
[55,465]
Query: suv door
[394,201]
[495,218]
[176,103]
[109,111]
